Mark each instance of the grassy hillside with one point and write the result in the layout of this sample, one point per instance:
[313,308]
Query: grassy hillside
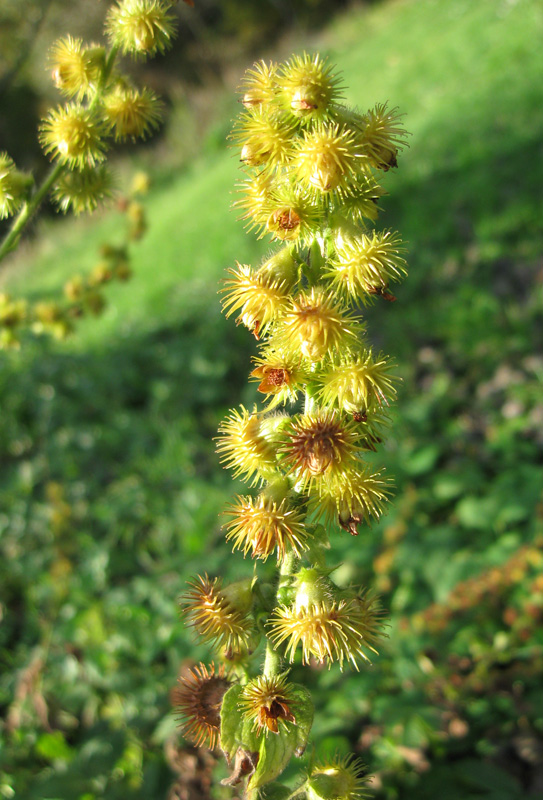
[110,491]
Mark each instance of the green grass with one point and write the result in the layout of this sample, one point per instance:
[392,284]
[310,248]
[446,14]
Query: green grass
[110,489]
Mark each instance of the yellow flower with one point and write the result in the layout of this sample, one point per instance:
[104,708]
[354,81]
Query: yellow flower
[315,325]
[281,376]
[263,525]
[198,701]
[268,702]
[219,615]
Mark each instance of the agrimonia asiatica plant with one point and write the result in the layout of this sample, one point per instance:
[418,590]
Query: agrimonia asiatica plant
[311,184]
[102,105]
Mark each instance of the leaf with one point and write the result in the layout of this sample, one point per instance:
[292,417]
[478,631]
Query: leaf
[231,721]
[276,750]
[53,746]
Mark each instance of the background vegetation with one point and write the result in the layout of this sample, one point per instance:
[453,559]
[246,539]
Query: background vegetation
[110,489]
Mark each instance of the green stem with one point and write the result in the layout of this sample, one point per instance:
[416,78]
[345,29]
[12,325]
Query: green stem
[272,659]
[28,209]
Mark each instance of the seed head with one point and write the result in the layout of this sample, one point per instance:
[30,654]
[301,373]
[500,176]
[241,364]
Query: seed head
[319,445]
[243,447]
[358,385]
[141,27]
[259,85]
[267,702]
[74,135]
[281,376]
[264,137]
[83,190]
[258,296]
[132,113]
[352,498]
[383,136]
[309,87]
[330,631]
[325,158]
[262,526]
[367,264]
[314,325]
[76,69]
[219,615]
[198,700]
[338,779]
[12,186]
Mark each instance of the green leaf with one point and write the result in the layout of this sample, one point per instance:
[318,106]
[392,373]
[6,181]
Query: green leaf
[276,750]
[231,721]
[53,746]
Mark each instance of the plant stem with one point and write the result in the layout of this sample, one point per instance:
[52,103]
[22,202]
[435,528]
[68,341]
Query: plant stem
[28,209]
[272,659]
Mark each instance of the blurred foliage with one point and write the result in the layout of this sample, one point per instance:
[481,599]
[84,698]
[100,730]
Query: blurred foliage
[110,489]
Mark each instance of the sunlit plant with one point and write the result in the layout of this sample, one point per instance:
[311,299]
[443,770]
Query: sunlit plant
[101,105]
[311,185]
